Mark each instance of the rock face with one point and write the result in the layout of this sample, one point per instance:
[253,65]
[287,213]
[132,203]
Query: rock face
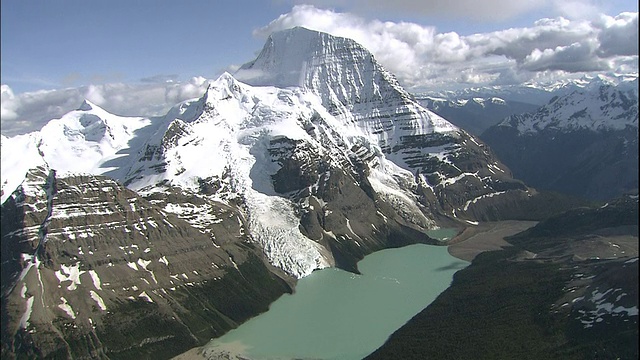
[229,198]
[584,143]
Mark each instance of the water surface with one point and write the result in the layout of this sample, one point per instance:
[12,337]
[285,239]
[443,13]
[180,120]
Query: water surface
[334,314]
[443,234]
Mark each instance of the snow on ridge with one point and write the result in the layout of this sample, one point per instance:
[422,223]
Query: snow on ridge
[348,79]
[19,154]
[237,123]
[599,106]
[88,140]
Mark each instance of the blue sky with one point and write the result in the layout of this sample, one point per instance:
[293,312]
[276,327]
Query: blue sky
[50,44]
[54,44]
[138,57]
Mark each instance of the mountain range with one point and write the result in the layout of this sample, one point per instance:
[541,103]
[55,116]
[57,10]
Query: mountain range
[132,236]
[583,143]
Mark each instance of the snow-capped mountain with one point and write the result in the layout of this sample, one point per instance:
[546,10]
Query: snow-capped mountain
[601,108]
[584,143]
[536,92]
[329,159]
[477,114]
[352,85]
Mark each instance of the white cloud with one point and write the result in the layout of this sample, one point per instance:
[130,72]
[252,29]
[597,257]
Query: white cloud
[577,9]
[576,57]
[26,112]
[420,56]
[423,58]
[9,103]
[619,35]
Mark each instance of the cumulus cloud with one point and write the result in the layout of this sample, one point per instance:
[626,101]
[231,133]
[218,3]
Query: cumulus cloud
[421,57]
[576,57]
[26,112]
[9,103]
[619,35]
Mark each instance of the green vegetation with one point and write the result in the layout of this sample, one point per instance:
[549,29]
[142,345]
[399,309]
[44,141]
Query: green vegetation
[501,308]
[496,309]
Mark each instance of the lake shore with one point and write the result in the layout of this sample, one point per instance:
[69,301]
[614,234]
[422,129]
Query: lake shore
[486,236]
[466,246]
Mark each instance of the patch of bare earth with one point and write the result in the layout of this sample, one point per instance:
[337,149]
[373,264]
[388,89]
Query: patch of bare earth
[485,236]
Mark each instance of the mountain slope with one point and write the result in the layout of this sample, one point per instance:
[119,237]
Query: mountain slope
[90,269]
[567,288]
[584,143]
[361,94]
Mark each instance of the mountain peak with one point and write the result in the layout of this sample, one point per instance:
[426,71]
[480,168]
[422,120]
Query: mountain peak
[286,54]
[86,105]
[341,71]
[90,106]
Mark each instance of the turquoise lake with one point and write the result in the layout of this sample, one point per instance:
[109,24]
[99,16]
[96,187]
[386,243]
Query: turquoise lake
[334,314]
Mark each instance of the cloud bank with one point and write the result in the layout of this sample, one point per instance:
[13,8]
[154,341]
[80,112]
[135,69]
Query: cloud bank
[26,112]
[423,58]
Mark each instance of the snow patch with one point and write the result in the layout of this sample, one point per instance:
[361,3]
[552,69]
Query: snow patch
[67,308]
[145,296]
[70,273]
[96,279]
[98,300]
[24,320]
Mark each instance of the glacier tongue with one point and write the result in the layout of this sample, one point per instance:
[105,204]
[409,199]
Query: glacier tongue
[229,138]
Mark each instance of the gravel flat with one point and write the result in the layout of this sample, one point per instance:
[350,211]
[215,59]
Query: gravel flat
[485,236]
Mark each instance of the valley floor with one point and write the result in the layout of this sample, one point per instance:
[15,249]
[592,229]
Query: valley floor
[485,236]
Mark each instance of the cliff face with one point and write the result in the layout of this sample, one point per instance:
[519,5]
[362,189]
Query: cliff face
[90,269]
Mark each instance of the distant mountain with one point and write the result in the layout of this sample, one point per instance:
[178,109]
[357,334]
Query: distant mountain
[584,143]
[477,114]
[131,236]
[535,92]
[477,109]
